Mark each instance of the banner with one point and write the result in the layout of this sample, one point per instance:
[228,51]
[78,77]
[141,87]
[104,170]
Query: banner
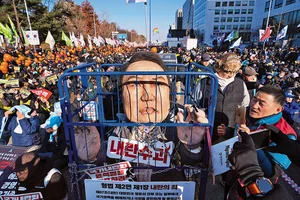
[282,33]
[229,37]
[136,1]
[155,30]
[8,179]
[33,37]
[90,42]
[113,172]
[65,38]
[26,196]
[139,152]
[52,78]
[96,189]
[50,40]
[90,111]
[12,83]
[3,81]
[284,42]
[236,43]
[25,92]
[13,28]
[42,93]
[266,34]
[81,40]
[17,69]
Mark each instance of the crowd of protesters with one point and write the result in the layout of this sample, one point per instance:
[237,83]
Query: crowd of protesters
[29,91]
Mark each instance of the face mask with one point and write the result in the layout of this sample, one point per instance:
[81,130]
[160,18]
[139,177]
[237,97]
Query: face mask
[78,99]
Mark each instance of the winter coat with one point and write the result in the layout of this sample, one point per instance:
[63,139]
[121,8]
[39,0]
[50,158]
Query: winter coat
[290,109]
[30,131]
[235,94]
[45,179]
[267,160]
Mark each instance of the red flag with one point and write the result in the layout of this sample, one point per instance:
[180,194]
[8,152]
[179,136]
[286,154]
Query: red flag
[42,93]
[266,35]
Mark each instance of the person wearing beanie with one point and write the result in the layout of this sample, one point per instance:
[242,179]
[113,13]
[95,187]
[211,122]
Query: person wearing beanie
[36,174]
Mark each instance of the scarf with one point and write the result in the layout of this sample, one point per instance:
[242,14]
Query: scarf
[36,174]
[223,82]
[255,124]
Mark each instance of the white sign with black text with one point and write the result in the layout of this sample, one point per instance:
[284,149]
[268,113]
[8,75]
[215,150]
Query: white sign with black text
[96,189]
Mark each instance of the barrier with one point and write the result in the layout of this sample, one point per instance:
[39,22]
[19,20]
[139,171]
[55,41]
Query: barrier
[93,102]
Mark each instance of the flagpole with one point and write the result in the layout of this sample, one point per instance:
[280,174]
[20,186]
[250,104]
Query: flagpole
[268,19]
[28,18]
[146,25]
[150,21]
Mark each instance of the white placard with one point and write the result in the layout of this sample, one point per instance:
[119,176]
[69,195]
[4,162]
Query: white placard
[138,152]
[90,111]
[33,37]
[96,189]
[113,172]
[219,153]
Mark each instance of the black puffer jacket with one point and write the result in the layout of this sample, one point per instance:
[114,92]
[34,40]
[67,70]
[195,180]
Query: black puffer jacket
[55,189]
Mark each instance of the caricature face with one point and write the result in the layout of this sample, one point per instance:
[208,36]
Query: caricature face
[145,97]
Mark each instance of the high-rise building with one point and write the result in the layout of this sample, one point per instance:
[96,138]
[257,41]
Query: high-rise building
[212,18]
[282,13]
[188,14]
[178,19]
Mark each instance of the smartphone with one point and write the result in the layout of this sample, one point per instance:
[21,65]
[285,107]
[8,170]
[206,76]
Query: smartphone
[240,115]
[261,138]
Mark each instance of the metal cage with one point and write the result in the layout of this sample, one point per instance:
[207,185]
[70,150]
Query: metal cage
[100,106]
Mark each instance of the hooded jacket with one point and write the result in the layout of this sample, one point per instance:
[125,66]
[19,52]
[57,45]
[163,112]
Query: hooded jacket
[30,131]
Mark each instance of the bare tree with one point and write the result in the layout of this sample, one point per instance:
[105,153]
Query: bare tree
[17,20]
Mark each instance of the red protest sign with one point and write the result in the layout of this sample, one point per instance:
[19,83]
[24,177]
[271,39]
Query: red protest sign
[42,93]
[113,172]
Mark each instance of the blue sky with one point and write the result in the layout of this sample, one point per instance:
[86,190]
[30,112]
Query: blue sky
[132,16]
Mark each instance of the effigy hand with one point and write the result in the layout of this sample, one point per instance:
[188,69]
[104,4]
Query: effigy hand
[195,134]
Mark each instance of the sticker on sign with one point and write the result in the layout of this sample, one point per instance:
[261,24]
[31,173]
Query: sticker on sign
[114,172]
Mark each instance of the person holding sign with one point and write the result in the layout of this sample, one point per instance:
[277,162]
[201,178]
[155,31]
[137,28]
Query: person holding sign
[265,111]
[146,99]
[37,175]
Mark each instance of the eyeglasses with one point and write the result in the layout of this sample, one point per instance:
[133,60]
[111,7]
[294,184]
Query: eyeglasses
[22,172]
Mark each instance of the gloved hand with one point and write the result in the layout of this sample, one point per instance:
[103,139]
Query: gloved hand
[244,159]
[284,144]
